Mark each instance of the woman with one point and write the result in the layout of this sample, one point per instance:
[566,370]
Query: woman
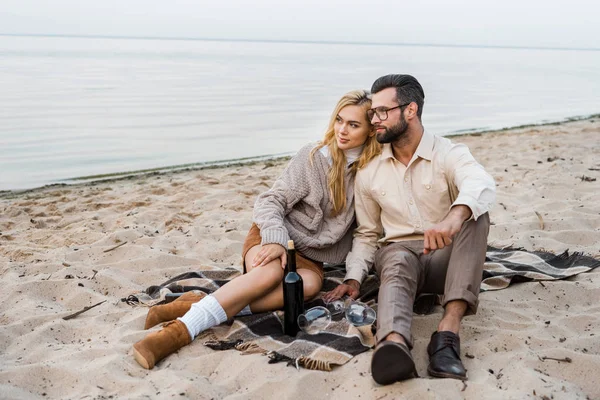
[312,203]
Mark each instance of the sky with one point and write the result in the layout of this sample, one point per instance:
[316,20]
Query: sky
[527,23]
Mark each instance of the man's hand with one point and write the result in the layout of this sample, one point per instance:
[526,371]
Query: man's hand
[441,234]
[351,288]
[268,253]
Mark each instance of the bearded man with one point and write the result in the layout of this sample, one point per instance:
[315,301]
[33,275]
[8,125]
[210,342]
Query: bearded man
[422,212]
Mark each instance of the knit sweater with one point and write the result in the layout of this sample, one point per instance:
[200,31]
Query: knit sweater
[299,207]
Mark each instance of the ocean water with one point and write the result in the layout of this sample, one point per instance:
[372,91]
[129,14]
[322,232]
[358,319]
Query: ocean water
[73,107]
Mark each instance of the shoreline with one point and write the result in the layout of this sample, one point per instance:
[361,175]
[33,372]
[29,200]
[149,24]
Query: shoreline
[199,166]
[292,41]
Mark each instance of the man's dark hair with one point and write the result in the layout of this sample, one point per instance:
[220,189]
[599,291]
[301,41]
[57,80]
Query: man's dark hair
[408,89]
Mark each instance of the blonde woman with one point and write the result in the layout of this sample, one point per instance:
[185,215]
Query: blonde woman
[311,203]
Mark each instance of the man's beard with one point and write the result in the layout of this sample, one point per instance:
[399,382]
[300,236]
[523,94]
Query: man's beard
[394,133]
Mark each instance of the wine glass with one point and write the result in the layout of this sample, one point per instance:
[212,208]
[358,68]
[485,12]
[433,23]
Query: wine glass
[359,314]
[316,319]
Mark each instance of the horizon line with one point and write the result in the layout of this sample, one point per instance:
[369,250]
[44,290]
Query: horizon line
[291,41]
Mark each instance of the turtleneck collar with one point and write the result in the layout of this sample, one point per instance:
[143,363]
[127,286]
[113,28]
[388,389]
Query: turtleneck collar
[351,154]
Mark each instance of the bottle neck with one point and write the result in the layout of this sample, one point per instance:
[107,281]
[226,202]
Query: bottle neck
[291,260]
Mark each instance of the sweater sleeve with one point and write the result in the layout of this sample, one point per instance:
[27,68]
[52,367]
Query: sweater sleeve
[272,206]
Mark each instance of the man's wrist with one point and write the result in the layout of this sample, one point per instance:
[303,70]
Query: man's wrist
[354,283]
[460,212]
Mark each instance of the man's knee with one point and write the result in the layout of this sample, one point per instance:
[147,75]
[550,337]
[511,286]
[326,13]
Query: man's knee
[396,264]
[476,230]
[482,225]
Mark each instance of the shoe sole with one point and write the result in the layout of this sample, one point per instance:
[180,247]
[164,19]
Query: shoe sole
[140,359]
[445,375]
[391,363]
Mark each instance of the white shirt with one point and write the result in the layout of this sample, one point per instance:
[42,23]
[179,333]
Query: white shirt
[395,202]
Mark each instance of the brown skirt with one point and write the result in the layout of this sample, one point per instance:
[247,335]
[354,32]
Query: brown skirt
[253,239]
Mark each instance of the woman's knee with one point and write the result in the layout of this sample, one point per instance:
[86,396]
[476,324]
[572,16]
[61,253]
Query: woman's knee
[311,284]
[268,276]
[311,289]
[249,258]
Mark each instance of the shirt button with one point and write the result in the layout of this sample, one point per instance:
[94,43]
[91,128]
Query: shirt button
[427,187]
[410,202]
[383,193]
[406,179]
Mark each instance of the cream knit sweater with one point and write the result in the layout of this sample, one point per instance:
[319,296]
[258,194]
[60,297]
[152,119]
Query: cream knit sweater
[298,207]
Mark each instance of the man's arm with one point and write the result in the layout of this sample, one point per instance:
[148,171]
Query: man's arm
[476,196]
[441,234]
[476,188]
[364,245]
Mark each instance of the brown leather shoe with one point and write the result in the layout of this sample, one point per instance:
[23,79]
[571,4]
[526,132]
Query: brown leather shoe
[172,310]
[392,362]
[157,345]
[444,356]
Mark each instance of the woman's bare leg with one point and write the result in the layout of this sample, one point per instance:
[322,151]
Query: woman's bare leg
[243,290]
[261,287]
[274,299]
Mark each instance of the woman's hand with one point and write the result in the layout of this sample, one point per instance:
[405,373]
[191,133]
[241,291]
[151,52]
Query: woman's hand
[268,253]
[351,288]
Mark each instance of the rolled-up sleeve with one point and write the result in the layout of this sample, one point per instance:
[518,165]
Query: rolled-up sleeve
[476,188]
[360,259]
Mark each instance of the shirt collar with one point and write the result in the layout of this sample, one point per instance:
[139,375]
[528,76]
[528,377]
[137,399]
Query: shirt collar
[386,151]
[424,149]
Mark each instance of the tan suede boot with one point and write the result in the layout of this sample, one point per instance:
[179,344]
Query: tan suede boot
[172,310]
[157,345]
[191,296]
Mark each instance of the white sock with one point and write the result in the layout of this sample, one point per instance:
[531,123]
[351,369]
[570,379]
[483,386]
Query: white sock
[204,314]
[245,311]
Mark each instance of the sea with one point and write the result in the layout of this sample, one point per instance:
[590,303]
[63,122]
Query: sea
[74,108]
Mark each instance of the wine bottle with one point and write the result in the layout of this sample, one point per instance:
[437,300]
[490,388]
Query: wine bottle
[293,294]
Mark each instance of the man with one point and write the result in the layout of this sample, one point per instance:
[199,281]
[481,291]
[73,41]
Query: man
[422,212]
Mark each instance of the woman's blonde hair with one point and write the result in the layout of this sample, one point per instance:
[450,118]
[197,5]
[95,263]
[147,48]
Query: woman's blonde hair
[335,178]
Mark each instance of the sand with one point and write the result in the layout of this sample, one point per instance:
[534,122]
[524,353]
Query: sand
[176,222]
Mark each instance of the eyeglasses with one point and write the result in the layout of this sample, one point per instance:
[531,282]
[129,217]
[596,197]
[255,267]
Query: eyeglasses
[382,112]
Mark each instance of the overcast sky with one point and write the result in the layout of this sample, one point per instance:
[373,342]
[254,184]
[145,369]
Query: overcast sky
[542,23]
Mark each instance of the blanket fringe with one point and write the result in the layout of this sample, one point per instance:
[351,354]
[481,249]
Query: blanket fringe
[222,344]
[313,364]
[305,362]
[275,357]
[208,336]
[133,301]
[250,348]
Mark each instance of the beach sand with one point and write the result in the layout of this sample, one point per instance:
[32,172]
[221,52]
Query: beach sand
[171,223]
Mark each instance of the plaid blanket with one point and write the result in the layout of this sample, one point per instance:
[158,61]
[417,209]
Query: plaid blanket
[340,341]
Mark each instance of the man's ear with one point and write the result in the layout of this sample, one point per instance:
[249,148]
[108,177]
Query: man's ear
[412,110]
